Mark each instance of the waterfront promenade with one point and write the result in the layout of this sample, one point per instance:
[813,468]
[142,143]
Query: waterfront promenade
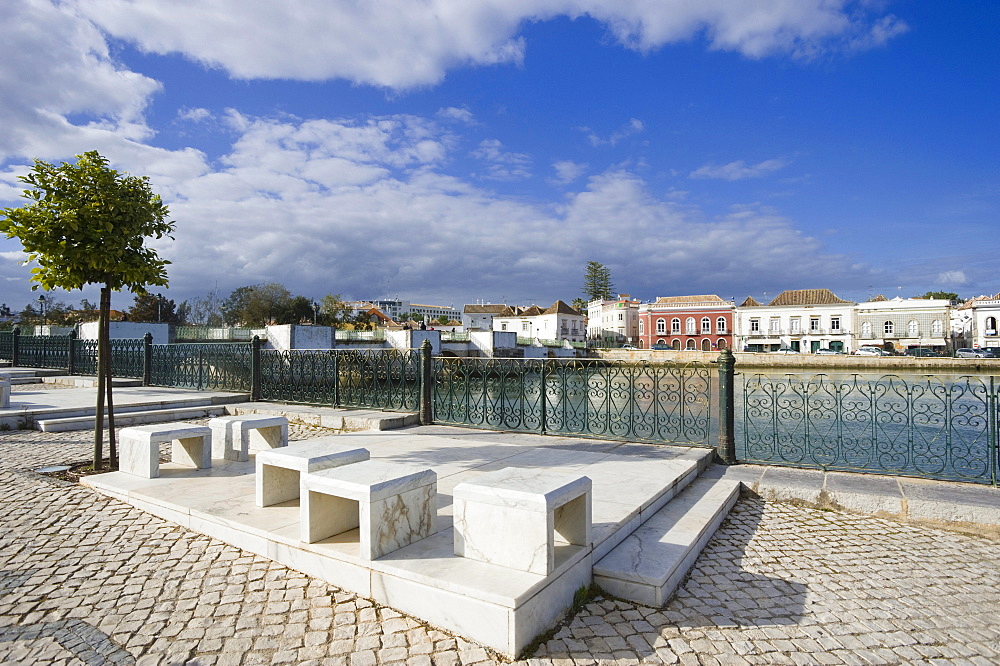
[86,579]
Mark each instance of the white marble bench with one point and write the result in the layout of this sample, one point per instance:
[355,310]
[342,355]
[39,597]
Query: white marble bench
[139,447]
[512,517]
[278,470]
[4,391]
[392,505]
[234,437]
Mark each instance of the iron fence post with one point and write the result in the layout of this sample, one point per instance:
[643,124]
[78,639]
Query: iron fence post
[71,357]
[426,409]
[147,359]
[726,450]
[255,368]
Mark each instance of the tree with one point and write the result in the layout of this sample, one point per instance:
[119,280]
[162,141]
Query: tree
[334,311]
[87,223]
[263,304]
[205,311]
[580,305]
[597,282]
[443,319]
[153,308]
[948,295]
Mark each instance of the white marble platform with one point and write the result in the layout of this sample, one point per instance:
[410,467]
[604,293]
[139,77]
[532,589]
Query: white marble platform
[4,392]
[496,606]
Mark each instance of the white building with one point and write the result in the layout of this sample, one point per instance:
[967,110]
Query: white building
[479,317]
[614,320]
[801,319]
[901,323]
[558,322]
[975,322]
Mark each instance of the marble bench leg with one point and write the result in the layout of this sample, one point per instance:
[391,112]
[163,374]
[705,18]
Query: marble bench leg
[138,456]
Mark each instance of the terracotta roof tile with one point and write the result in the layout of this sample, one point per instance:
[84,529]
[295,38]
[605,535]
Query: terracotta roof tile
[707,298]
[807,297]
[751,302]
[560,307]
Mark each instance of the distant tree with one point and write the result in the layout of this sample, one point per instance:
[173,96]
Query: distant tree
[86,223]
[334,311]
[579,304]
[259,305]
[597,282]
[87,306]
[443,319]
[183,313]
[949,295]
[153,308]
[206,311]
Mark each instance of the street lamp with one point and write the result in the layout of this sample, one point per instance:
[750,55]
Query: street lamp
[41,306]
[315,308]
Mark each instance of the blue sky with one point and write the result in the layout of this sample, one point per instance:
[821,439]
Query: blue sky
[449,151]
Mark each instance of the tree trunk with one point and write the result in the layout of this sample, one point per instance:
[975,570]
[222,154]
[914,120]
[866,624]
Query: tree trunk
[102,354]
[112,444]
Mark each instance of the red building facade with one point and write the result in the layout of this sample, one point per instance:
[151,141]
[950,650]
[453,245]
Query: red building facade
[702,323]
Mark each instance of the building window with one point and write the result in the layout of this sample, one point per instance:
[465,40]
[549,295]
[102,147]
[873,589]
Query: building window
[937,328]
[689,326]
[706,325]
[691,344]
[835,324]
[642,326]
[814,325]
[866,329]
[775,325]
[675,325]
[524,326]
[991,326]
[720,325]
[676,344]
[706,345]
[912,328]
[503,326]
[721,343]
[888,328]
[755,325]
[794,325]
[661,326]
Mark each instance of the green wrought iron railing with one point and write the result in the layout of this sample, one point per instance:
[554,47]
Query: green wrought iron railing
[377,335]
[455,336]
[126,358]
[40,351]
[216,333]
[7,345]
[931,427]
[665,403]
[211,366]
[383,379]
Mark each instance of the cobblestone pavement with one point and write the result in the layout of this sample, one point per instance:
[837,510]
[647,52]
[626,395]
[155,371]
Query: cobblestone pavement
[88,580]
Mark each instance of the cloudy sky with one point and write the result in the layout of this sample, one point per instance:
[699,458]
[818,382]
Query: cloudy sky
[451,151]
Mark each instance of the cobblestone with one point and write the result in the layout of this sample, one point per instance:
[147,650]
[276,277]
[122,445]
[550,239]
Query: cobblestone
[85,579]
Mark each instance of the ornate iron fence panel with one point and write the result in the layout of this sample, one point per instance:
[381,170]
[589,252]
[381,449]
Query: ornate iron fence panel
[931,427]
[204,366]
[43,351]
[663,403]
[126,357]
[7,345]
[384,379]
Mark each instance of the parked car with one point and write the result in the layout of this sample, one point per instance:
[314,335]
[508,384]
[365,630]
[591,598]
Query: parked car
[921,352]
[628,346]
[827,352]
[660,346]
[967,352]
[785,350]
[870,351]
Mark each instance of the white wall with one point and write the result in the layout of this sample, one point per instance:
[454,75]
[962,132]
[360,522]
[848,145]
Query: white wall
[128,330]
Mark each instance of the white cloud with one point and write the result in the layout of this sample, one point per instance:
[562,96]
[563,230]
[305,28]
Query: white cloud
[463,116]
[952,278]
[501,164]
[194,115]
[402,44]
[631,128]
[740,170]
[567,171]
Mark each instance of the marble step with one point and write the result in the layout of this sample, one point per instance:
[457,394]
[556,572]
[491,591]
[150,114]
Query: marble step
[648,565]
[127,417]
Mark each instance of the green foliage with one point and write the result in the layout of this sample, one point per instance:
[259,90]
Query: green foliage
[949,295]
[270,303]
[443,319]
[334,311]
[86,223]
[597,282]
[153,308]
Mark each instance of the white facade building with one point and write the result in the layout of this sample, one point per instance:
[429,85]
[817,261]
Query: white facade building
[479,317]
[975,323]
[558,322]
[901,323]
[613,320]
[801,319]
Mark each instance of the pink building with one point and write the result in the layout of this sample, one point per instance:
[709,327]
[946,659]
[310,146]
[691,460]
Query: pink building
[687,322]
